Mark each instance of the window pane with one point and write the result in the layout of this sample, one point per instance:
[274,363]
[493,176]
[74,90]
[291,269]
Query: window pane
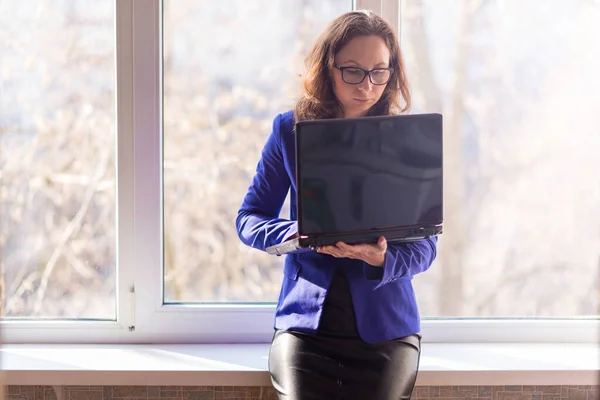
[57,148]
[518,84]
[229,68]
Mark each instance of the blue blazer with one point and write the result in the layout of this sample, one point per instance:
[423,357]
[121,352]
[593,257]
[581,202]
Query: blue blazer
[383,297]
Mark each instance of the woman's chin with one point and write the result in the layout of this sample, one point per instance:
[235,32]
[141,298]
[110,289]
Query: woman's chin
[356,112]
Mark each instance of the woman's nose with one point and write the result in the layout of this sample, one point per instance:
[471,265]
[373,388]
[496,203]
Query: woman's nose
[365,85]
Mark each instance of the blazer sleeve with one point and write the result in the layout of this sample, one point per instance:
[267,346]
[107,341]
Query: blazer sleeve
[258,224]
[403,260]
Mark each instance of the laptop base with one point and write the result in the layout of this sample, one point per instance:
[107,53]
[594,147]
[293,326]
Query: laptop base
[304,244]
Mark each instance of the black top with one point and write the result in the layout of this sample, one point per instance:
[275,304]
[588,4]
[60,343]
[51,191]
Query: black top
[338,311]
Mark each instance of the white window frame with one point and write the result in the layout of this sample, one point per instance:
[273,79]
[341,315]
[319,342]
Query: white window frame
[141,316]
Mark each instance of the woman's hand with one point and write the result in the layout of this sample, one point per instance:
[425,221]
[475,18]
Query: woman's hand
[372,254]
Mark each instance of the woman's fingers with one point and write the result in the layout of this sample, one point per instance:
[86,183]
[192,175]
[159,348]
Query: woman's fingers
[340,250]
[372,253]
[334,251]
[345,247]
[331,250]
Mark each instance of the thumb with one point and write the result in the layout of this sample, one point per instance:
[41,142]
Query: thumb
[382,243]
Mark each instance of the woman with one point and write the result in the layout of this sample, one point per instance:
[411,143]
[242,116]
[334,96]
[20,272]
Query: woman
[346,323]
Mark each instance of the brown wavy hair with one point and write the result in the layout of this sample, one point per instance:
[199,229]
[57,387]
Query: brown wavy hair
[318,100]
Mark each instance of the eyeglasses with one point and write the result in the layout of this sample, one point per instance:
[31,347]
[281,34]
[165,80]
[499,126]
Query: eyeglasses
[355,75]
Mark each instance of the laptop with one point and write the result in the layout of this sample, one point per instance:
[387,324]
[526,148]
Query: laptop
[361,178]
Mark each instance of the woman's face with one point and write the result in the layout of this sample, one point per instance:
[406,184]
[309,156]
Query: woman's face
[368,53]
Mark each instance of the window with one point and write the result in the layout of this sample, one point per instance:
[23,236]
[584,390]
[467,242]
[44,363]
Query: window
[517,84]
[57,141]
[129,132]
[220,97]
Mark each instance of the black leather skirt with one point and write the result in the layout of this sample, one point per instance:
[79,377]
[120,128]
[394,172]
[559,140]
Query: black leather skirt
[335,363]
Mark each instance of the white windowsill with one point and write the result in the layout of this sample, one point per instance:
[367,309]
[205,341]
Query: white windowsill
[246,364]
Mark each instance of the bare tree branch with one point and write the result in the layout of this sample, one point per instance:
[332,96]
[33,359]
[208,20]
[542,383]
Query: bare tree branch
[71,229]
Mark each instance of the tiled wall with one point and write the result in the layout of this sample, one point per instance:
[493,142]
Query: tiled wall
[267,393]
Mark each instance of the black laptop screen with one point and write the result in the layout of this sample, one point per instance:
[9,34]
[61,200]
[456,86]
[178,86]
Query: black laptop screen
[368,173]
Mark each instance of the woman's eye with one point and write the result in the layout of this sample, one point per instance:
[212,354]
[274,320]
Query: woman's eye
[354,71]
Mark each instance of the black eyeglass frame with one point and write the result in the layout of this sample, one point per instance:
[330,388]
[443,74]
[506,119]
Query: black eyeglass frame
[365,73]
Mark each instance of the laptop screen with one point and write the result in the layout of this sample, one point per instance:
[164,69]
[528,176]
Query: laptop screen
[368,173]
